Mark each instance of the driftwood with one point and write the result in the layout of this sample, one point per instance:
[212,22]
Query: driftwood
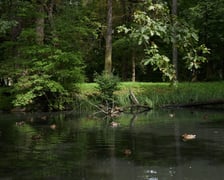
[114,111]
[111,112]
[196,104]
[132,98]
[135,106]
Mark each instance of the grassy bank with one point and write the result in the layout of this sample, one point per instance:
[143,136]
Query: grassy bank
[158,94]
[152,94]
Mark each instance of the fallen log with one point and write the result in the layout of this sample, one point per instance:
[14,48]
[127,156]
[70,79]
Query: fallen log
[196,104]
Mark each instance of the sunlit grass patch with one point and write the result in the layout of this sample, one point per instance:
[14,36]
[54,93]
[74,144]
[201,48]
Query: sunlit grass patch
[158,94]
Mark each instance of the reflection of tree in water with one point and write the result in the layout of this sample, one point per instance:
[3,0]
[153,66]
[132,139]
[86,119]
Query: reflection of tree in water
[152,148]
[87,147]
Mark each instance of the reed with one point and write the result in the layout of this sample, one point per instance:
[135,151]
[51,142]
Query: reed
[159,94]
[151,94]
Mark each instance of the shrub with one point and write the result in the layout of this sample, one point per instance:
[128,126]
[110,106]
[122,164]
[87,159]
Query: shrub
[107,85]
[49,80]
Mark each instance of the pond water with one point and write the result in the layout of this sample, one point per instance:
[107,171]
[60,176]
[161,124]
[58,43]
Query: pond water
[142,147]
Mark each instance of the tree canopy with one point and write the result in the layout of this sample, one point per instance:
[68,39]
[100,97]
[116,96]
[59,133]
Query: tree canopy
[47,46]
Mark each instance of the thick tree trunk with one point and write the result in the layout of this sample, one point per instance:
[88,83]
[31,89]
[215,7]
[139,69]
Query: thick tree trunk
[40,25]
[108,51]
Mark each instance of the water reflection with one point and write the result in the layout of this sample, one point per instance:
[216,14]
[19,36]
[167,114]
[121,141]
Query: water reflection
[143,147]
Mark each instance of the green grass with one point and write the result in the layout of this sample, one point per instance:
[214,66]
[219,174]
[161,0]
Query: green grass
[152,94]
[158,94]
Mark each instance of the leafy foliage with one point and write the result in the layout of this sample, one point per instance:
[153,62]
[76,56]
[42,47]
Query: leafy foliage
[35,88]
[48,78]
[6,25]
[107,85]
[153,25]
[159,61]
[74,40]
[44,74]
[206,16]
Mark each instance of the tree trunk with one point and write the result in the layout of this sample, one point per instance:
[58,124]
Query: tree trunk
[108,51]
[175,52]
[50,12]
[40,25]
[124,69]
[133,66]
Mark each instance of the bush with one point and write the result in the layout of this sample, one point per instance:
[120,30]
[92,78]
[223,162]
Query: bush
[49,80]
[107,85]
[6,98]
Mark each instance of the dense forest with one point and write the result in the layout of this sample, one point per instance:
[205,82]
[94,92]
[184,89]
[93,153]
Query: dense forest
[47,46]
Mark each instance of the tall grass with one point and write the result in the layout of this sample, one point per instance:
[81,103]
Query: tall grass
[152,94]
[159,94]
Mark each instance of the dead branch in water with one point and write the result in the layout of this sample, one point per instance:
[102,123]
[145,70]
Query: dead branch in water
[135,106]
[114,111]
[133,99]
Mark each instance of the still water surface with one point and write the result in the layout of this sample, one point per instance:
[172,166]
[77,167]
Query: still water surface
[143,147]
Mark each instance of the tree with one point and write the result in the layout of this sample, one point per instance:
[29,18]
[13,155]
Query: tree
[40,23]
[44,70]
[127,53]
[174,52]
[152,26]
[108,51]
[206,17]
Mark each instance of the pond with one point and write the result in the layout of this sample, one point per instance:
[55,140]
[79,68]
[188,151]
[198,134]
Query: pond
[146,146]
